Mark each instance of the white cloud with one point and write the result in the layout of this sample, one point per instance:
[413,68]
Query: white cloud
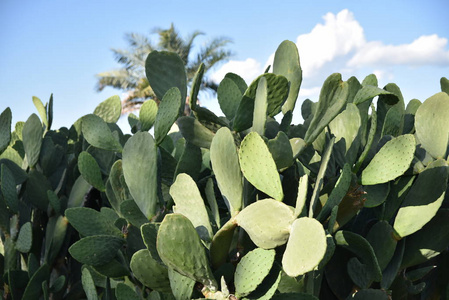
[339,35]
[425,50]
[339,45]
[248,69]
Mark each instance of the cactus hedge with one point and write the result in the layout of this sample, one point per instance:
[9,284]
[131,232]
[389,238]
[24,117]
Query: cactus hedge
[351,203]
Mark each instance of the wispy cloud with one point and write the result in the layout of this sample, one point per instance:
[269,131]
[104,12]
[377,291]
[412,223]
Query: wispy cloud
[339,44]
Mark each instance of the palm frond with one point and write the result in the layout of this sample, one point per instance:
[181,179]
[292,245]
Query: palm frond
[119,79]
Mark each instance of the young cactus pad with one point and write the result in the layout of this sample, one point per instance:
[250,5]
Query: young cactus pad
[267,222]
[306,247]
[258,166]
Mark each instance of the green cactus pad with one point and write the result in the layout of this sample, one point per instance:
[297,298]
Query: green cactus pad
[226,167]
[431,121]
[98,134]
[333,97]
[267,222]
[189,203]
[196,86]
[337,194]
[346,127]
[239,81]
[190,161]
[392,160]
[423,200]
[88,284]
[32,139]
[428,242]
[306,247]
[393,267]
[96,250]
[229,96]
[286,63]
[165,70]
[149,236]
[148,271]
[221,243]
[33,289]
[125,292]
[90,170]
[5,128]
[193,131]
[88,222]
[25,238]
[181,286]
[110,109]
[383,242]
[362,248]
[147,114]
[252,269]
[320,177]
[260,107]
[281,150]
[167,113]
[8,188]
[370,91]
[180,248]
[376,194]
[302,195]
[139,162]
[269,285]
[41,110]
[258,166]
[444,82]
[55,236]
[36,191]
[277,89]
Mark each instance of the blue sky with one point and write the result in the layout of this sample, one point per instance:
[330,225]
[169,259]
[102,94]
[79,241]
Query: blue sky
[57,47]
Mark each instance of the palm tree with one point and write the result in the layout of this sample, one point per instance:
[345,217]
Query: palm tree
[131,77]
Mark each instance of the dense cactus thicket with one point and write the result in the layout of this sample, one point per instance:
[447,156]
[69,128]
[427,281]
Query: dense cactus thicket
[351,204]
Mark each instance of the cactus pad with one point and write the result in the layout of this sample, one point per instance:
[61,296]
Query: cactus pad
[225,164]
[32,139]
[423,200]
[147,114]
[189,203]
[267,222]
[140,170]
[258,166]
[5,128]
[431,123]
[149,271]
[252,269]
[167,114]
[306,247]
[392,160]
[180,248]
[90,170]
[98,134]
[110,109]
[96,250]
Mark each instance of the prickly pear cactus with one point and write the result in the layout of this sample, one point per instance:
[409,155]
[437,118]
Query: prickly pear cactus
[350,204]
